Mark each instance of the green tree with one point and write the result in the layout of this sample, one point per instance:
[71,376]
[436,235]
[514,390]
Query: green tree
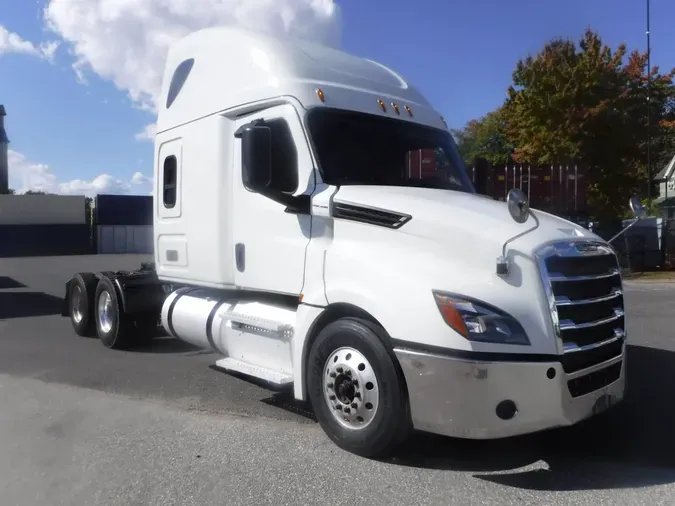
[485,138]
[37,192]
[584,104]
[88,208]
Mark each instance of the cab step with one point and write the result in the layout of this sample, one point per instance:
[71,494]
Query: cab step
[239,366]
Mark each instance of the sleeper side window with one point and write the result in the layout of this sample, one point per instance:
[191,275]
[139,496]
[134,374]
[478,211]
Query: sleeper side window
[284,157]
[169,181]
[180,75]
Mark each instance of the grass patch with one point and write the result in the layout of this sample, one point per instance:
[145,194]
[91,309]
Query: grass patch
[650,276]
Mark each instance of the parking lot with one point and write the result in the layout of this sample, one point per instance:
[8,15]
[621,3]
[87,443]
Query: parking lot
[81,424]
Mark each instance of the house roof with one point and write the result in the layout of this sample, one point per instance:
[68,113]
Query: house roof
[667,172]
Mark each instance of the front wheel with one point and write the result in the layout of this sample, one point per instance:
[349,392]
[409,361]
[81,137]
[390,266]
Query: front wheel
[356,390]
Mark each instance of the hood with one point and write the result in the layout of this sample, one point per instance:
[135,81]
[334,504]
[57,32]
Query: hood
[459,217]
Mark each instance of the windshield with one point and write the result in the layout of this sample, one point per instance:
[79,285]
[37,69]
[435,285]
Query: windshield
[363,149]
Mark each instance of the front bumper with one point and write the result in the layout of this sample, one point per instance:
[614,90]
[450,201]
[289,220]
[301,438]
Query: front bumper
[459,397]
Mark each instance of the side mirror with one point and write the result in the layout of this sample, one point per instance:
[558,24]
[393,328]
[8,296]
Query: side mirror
[519,208]
[637,208]
[256,157]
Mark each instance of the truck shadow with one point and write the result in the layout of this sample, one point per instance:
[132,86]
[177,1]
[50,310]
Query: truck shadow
[28,304]
[169,345]
[632,446]
[6,282]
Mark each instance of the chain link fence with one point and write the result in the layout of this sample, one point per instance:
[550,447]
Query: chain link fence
[669,244]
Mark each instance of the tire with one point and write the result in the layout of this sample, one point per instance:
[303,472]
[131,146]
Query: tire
[114,328]
[362,355]
[81,304]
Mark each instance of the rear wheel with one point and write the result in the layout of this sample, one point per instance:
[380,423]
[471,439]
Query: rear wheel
[113,326]
[356,389]
[81,304]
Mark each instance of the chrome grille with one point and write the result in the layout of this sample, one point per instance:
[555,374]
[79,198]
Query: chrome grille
[583,284]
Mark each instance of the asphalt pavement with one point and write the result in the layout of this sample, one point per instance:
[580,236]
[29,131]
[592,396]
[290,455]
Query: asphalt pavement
[84,425]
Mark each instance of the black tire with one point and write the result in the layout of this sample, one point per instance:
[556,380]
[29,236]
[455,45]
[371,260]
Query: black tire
[82,288]
[121,332]
[391,422]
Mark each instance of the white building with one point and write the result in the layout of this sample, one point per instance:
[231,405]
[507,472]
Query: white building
[666,180]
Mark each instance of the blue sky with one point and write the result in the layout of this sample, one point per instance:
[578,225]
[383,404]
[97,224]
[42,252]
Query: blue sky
[460,54]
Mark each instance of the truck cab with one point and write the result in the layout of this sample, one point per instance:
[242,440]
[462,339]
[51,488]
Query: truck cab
[316,226]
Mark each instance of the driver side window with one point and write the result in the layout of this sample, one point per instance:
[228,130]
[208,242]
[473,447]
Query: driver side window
[284,157]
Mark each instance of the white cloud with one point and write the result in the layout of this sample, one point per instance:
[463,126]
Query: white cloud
[139,178]
[27,175]
[148,133]
[126,41]
[13,43]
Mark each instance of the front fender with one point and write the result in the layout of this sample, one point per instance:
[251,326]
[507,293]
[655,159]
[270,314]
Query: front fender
[394,283]
[399,298]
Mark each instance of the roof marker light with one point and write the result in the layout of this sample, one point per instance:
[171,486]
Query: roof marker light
[319,93]
[395,106]
[407,108]
[381,104]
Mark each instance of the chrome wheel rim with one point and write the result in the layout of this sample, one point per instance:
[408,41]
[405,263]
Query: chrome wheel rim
[350,388]
[77,301]
[105,310]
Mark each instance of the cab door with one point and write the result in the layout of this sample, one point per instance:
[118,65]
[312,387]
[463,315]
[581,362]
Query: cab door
[270,242]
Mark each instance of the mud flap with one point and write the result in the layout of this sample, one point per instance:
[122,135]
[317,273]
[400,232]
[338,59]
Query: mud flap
[65,310]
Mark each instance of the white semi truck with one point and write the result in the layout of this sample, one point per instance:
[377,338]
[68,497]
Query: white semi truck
[294,236]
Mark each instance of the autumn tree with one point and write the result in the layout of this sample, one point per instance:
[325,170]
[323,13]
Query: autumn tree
[661,111]
[584,104]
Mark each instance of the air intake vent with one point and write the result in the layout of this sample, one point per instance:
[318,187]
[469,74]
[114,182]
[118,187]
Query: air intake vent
[369,215]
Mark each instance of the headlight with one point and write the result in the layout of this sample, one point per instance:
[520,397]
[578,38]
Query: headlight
[478,321]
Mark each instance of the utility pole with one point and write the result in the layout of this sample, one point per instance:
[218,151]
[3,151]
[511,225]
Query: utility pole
[649,113]
[4,164]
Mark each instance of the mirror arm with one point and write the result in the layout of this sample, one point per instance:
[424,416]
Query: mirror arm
[240,131]
[621,232]
[294,204]
[518,236]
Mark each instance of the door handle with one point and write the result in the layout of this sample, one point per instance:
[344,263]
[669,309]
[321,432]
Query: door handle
[240,256]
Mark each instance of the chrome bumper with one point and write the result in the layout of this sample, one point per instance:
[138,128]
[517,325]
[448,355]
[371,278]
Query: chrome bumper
[460,397]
